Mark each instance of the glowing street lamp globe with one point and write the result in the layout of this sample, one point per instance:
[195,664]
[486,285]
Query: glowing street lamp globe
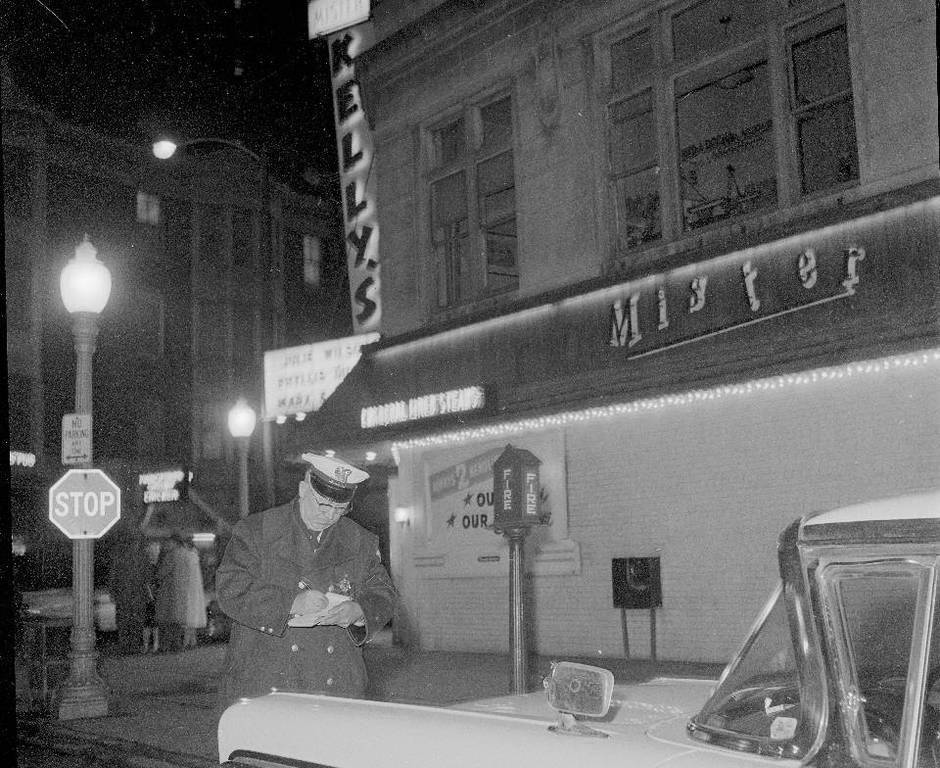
[85,283]
[164,149]
[241,419]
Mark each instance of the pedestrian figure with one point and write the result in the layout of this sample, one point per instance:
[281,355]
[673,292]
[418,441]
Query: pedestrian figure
[165,603]
[151,633]
[193,593]
[305,588]
[127,583]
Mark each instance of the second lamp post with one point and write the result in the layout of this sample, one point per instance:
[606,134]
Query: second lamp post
[241,424]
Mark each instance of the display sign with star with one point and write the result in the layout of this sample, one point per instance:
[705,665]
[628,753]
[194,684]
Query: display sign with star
[459,499]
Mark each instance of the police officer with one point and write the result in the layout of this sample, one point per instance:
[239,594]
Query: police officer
[305,588]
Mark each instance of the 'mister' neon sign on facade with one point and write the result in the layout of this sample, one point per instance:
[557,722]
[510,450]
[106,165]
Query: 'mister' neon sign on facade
[423,407]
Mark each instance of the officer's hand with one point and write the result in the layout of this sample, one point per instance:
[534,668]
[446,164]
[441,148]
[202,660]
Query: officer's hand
[343,614]
[308,601]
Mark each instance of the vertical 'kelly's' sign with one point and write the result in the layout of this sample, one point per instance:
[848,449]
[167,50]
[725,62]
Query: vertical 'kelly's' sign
[354,144]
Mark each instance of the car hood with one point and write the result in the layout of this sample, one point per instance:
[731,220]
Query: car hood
[645,728]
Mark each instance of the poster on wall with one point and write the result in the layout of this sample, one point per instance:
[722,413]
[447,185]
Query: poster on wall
[458,491]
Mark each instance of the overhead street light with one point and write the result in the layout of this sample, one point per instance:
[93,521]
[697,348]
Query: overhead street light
[85,286]
[165,148]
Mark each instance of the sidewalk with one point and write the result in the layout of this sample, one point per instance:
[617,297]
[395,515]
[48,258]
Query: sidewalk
[163,708]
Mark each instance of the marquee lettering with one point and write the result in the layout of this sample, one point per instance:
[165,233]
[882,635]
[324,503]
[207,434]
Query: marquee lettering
[750,277]
[697,299]
[853,257]
[627,322]
[354,147]
[807,267]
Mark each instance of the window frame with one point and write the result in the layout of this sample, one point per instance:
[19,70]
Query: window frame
[786,24]
[451,289]
[828,574]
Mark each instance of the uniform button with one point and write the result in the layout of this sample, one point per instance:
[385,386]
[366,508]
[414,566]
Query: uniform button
[329,649]
[329,681]
[263,629]
[294,648]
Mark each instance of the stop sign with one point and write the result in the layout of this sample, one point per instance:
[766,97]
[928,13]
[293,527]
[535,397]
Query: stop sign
[84,503]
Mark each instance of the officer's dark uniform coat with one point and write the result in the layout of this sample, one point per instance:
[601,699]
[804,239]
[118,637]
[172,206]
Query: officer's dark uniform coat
[268,560]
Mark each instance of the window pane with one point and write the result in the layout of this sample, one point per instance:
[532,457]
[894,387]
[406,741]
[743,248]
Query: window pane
[148,208]
[450,237]
[496,119]
[312,261]
[828,153]
[632,133]
[715,25]
[726,149]
[821,67]
[496,187]
[929,753]
[448,142]
[631,62]
[878,616]
[448,200]
[502,273]
[638,219]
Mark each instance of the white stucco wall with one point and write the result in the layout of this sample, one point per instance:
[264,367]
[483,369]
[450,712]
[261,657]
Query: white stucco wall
[707,486]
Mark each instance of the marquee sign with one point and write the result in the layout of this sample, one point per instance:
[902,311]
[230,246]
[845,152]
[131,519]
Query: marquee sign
[707,299]
[326,16]
[423,407]
[354,145]
[164,485]
[300,379]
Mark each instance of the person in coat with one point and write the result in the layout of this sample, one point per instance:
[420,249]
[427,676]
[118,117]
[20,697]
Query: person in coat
[305,588]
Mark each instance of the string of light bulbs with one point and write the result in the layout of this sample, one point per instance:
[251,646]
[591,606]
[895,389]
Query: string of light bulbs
[644,405]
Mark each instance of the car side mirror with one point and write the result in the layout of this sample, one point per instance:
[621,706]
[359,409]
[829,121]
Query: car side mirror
[578,689]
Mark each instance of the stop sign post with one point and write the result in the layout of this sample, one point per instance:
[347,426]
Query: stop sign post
[84,503]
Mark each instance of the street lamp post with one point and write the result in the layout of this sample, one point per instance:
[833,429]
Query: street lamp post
[85,285]
[241,424]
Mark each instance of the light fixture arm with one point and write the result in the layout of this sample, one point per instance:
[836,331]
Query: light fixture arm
[166,148]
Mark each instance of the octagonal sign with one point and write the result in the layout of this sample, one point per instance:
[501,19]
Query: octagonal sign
[84,503]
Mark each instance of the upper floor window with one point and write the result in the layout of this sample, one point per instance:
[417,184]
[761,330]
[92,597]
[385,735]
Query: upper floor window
[473,203]
[148,208]
[821,102]
[699,126]
[312,261]
[634,148]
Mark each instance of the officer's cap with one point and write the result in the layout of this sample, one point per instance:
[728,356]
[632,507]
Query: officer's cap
[334,477]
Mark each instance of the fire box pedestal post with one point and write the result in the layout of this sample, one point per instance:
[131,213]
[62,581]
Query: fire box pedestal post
[516,508]
[517,633]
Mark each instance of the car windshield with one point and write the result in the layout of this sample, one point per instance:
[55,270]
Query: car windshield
[756,706]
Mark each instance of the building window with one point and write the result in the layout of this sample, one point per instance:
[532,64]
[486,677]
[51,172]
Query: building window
[312,261]
[148,208]
[473,204]
[821,99]
[726,149]
[633,146]
[700,80]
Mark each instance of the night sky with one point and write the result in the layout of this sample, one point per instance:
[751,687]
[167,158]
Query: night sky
[240,69]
